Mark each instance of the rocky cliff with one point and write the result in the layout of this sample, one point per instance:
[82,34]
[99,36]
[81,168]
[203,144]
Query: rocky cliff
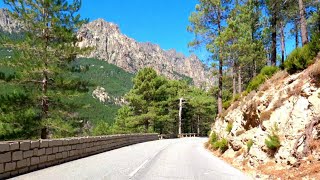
[289,102]
[7,23]
[116,48]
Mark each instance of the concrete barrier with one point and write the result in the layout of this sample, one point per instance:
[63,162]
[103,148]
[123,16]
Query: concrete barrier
[19,157]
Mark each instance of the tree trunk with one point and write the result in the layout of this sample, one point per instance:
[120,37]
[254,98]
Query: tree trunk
[296,32]
[180,116]
[254,68]
[220,68]
[273,38]
[234,80]
[44,104]
[146,126]
[282,42]
[44,99]
[239,80]
[198,126]
[303,23]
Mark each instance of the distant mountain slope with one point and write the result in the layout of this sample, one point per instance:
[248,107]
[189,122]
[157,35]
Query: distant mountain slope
[98,105]
[116,48]
[113,79]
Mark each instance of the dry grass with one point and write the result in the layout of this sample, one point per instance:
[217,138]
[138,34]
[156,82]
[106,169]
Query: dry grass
[306,169]
[265,86]
[265,115]
[260,94]
[278,77]
[315,70]
[275,81]
[238,153]
[314,145]
[315,73]
[296,90]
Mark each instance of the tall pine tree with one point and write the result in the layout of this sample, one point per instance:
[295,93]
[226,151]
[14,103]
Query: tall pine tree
[49,45]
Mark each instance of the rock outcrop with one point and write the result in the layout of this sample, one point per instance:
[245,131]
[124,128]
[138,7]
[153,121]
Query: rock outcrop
[103,96]
[290,102]
[7,23]
[116,48]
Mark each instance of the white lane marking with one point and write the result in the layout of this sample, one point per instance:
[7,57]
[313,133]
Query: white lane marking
[136,170]
[146,161]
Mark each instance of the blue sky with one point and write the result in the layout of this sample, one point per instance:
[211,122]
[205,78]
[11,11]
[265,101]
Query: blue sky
[162,22]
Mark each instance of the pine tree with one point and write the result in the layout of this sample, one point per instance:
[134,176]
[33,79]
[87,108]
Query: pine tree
[49,45]
[274,8]
[207,24]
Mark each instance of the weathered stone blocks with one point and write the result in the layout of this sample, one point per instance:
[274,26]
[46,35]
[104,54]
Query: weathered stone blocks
[18,157]
[5,157]
[25,145]
[4,147]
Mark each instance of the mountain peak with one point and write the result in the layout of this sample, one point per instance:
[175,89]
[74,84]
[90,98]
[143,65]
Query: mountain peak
[116,48]
[104,26]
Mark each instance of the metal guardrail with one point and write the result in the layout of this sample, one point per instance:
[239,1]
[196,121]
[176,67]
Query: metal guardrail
[182,135]
[188,135]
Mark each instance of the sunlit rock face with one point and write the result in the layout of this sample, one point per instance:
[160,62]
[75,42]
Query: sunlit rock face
[7,23]
[289,102]
[116,48]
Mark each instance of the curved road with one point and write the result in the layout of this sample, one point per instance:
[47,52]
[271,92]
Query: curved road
[174,159]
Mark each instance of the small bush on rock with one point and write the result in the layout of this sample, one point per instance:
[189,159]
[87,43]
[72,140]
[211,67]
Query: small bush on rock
[273,140]
[302,57]
[299,59]
[226,104]
[213,138]
[229,127]
[222,145]
[265,73]
[249,144]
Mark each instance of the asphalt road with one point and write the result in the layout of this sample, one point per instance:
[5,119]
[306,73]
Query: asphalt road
[174,159]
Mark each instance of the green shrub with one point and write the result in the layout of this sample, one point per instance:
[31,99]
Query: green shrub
[236,97]
[249,144]
[226,104]
[102,128]
[213,138]
[229,127]
[222,145]
[299,59]
[273,140]
[265,73]
[302,57]
[269,70]
[255,83]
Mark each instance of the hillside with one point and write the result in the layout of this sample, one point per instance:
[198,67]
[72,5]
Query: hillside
[113,79]
[285,106]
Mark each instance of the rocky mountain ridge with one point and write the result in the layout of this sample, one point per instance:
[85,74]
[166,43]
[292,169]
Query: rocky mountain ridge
[111,45]
[116,48]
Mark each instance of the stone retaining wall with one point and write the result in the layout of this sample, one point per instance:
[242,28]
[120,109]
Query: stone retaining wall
[19,157]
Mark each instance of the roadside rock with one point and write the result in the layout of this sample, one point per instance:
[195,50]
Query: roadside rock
[288,102]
